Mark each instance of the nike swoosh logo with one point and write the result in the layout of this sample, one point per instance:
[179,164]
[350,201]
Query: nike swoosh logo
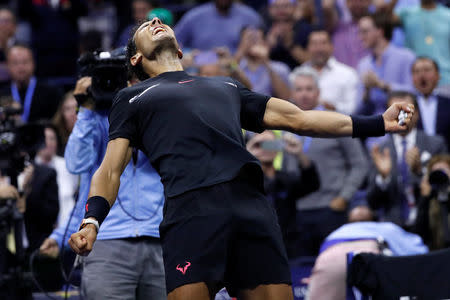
[142,93]
[232,84]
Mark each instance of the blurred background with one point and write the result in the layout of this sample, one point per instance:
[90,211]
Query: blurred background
[349,56]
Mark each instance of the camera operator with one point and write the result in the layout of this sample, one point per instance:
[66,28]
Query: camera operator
[37,182]
[8,191]
[126,261]
[433,220]
[25,220]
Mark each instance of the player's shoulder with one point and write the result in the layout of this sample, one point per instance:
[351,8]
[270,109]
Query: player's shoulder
[227,81]
[131,91]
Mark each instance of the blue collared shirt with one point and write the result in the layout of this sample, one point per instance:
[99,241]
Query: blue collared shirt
[140,193]
[395,69]
[400,242]
[260,77]
[204,28]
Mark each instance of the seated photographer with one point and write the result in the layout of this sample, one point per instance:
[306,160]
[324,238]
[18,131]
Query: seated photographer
[284,188]
[8,191]
[126,261]
[394,187]
[433,219]
[328,278]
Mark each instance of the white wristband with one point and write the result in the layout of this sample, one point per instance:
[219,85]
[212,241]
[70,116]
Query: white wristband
[89,221]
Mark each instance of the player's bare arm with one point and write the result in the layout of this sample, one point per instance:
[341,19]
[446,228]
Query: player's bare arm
[105,183]
[281,114]
[106,179]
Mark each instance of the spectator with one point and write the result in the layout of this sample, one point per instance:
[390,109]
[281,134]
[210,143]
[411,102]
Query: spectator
[67,182]
[55,35]
[266,76]
[306,10]
[287,37]
[341,165]
[40,188]
[220,63]
[90,41]
[284,188]
[197,29]
[65,118]
[338,82]
[348,46]
[7,39]
[427,31]
[328,279]
[102,18]
[39,100]
[386,68]
[163,14]
[434,214]
[140,8]
[434,108]
[398,35]
[395,186]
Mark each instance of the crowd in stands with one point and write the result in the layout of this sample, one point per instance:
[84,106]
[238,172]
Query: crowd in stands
[349,56]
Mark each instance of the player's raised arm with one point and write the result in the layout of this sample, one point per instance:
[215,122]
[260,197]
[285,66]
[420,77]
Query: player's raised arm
[281,114]
[103,192]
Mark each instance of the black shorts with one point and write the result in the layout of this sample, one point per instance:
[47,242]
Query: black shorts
[224,235]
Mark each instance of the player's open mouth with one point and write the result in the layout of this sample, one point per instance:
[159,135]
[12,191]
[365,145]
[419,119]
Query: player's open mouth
[158,30]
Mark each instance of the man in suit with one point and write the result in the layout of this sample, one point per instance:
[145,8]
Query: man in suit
[342,168]
[38,100]
[434,109]
[42,205]
[399,161]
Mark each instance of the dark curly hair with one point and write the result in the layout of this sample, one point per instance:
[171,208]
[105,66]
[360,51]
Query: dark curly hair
[383,21]
[136,70]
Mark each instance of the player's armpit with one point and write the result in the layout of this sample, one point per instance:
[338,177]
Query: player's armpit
[281,114]
[106,179]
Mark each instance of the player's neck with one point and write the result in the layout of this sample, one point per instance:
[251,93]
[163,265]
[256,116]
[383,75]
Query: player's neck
[164,62]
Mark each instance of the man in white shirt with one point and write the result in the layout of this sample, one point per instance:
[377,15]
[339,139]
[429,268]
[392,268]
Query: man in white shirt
[338,82]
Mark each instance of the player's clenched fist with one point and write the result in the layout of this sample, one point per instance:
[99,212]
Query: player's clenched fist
[82,241]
